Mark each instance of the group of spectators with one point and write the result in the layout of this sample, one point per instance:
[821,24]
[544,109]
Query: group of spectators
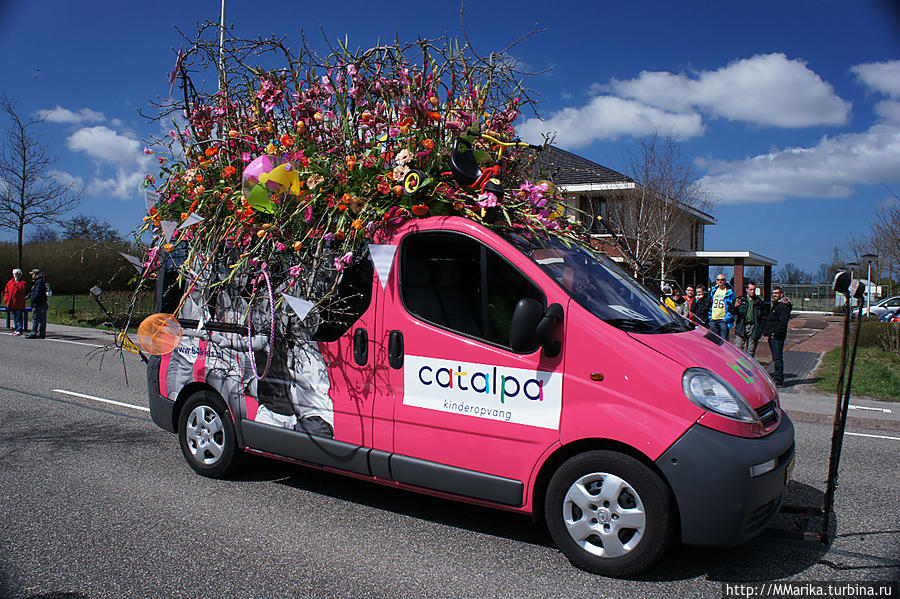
[721,310]
[15,294]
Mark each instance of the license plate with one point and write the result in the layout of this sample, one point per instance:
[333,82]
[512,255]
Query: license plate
[788,471]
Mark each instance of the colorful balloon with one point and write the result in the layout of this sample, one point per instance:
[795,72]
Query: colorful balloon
[159,334]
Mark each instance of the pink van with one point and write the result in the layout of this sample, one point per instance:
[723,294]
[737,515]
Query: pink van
[502,369]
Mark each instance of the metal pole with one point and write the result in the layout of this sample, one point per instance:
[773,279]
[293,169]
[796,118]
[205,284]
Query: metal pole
[868,289]
[222,47]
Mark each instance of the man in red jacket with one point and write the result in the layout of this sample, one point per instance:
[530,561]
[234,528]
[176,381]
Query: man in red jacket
[14,296]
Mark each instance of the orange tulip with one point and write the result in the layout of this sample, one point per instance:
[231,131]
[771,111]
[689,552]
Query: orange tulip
[298,245]
[420,209]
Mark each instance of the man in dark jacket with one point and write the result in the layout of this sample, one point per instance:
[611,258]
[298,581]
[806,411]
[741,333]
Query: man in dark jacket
[750,313]
[775,328]
[700,307]
[38,305]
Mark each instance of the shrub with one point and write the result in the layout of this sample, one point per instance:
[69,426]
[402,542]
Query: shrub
[71,266]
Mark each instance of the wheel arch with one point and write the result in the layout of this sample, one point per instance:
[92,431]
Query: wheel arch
[552,463]
[190,389]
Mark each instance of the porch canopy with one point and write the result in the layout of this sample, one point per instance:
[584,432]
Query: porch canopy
[738,260]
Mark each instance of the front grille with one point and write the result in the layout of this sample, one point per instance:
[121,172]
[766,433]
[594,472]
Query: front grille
[768,415]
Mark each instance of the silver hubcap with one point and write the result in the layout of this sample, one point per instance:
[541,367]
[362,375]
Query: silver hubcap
[205,435]
[604,515]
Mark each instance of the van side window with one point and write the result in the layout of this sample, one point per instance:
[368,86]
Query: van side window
[460,284]
[354,294]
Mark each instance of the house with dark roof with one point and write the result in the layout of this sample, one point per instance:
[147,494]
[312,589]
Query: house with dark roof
[592,191]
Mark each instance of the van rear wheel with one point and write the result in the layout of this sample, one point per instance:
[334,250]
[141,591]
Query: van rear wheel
[206,435]
[609,513]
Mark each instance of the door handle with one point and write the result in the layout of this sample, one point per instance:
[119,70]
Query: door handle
[395,350]
[361,346]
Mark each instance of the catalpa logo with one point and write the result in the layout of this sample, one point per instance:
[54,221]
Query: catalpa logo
[487,391]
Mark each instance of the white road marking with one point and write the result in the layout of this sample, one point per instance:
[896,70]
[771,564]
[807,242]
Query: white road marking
[873,436]
[100,399]
[885,410]
[64,341]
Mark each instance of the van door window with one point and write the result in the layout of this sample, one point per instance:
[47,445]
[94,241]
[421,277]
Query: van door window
[457,283]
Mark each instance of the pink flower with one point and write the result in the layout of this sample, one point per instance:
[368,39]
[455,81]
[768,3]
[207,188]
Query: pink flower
[280,246]
[245,157]
[403,156]
[294,271]
[487,200]
[148,151]
[343,261]
[308,214]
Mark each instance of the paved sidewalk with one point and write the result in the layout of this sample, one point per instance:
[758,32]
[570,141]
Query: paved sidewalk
[804,405]
[63,332]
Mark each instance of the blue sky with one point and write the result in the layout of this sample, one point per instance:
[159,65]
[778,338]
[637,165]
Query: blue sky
[790,111]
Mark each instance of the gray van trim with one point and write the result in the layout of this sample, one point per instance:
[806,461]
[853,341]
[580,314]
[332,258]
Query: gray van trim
[306,447]
[458,481]
[323,451]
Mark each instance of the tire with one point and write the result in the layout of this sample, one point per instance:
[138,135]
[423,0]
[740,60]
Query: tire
[609,513]
[206,435]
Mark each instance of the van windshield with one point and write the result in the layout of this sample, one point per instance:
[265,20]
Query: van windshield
[600,286]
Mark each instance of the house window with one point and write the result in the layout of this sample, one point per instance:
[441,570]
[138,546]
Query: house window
[591,208]
[696,236]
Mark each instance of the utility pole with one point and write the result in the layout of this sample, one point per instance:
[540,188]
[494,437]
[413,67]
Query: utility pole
[222,47]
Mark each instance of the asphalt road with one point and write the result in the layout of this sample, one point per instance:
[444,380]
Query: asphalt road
[98,502]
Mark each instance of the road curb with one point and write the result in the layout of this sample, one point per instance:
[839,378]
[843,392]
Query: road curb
[852,421]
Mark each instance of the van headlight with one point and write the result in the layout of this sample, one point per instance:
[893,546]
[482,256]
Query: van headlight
[710,392]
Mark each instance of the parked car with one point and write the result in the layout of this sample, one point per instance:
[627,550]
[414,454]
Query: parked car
[891,315]
[498,368]
[879,309]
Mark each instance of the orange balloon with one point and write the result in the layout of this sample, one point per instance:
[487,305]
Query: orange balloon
[159,334]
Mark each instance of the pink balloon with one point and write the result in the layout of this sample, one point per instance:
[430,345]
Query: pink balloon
[260,165]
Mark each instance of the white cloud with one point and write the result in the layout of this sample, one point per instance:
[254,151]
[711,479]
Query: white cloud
[64,115]
[888,110]
[69,180]
[106,145]
[123,186]
[882,77]
[111,149]
[607,117]
[831,168]
[767,89]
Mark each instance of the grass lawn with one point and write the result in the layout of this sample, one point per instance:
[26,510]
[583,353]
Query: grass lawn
[876,374]
[82,310]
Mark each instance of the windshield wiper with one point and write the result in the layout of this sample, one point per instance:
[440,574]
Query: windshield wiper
[674,326]
[634,324]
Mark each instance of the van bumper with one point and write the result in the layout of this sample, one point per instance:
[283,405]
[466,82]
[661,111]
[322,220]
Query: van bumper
[161,409]
[719,502]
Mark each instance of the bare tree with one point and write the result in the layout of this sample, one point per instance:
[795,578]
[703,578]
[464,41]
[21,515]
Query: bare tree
[28,193]
[90,227]
[43,234]
[791,274]
[656,218]
[885,239]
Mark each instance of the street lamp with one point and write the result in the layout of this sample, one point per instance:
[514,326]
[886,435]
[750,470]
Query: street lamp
[869,259]
[852,266]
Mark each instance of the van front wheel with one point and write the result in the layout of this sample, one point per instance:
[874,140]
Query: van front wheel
[206,435]
[609,513]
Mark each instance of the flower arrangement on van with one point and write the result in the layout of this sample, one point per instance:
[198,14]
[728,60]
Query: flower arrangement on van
[297,169]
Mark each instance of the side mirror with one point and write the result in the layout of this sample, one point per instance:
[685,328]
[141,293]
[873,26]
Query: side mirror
[532,326]
[526,316]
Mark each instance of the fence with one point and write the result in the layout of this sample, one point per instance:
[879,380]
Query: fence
[817,298]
